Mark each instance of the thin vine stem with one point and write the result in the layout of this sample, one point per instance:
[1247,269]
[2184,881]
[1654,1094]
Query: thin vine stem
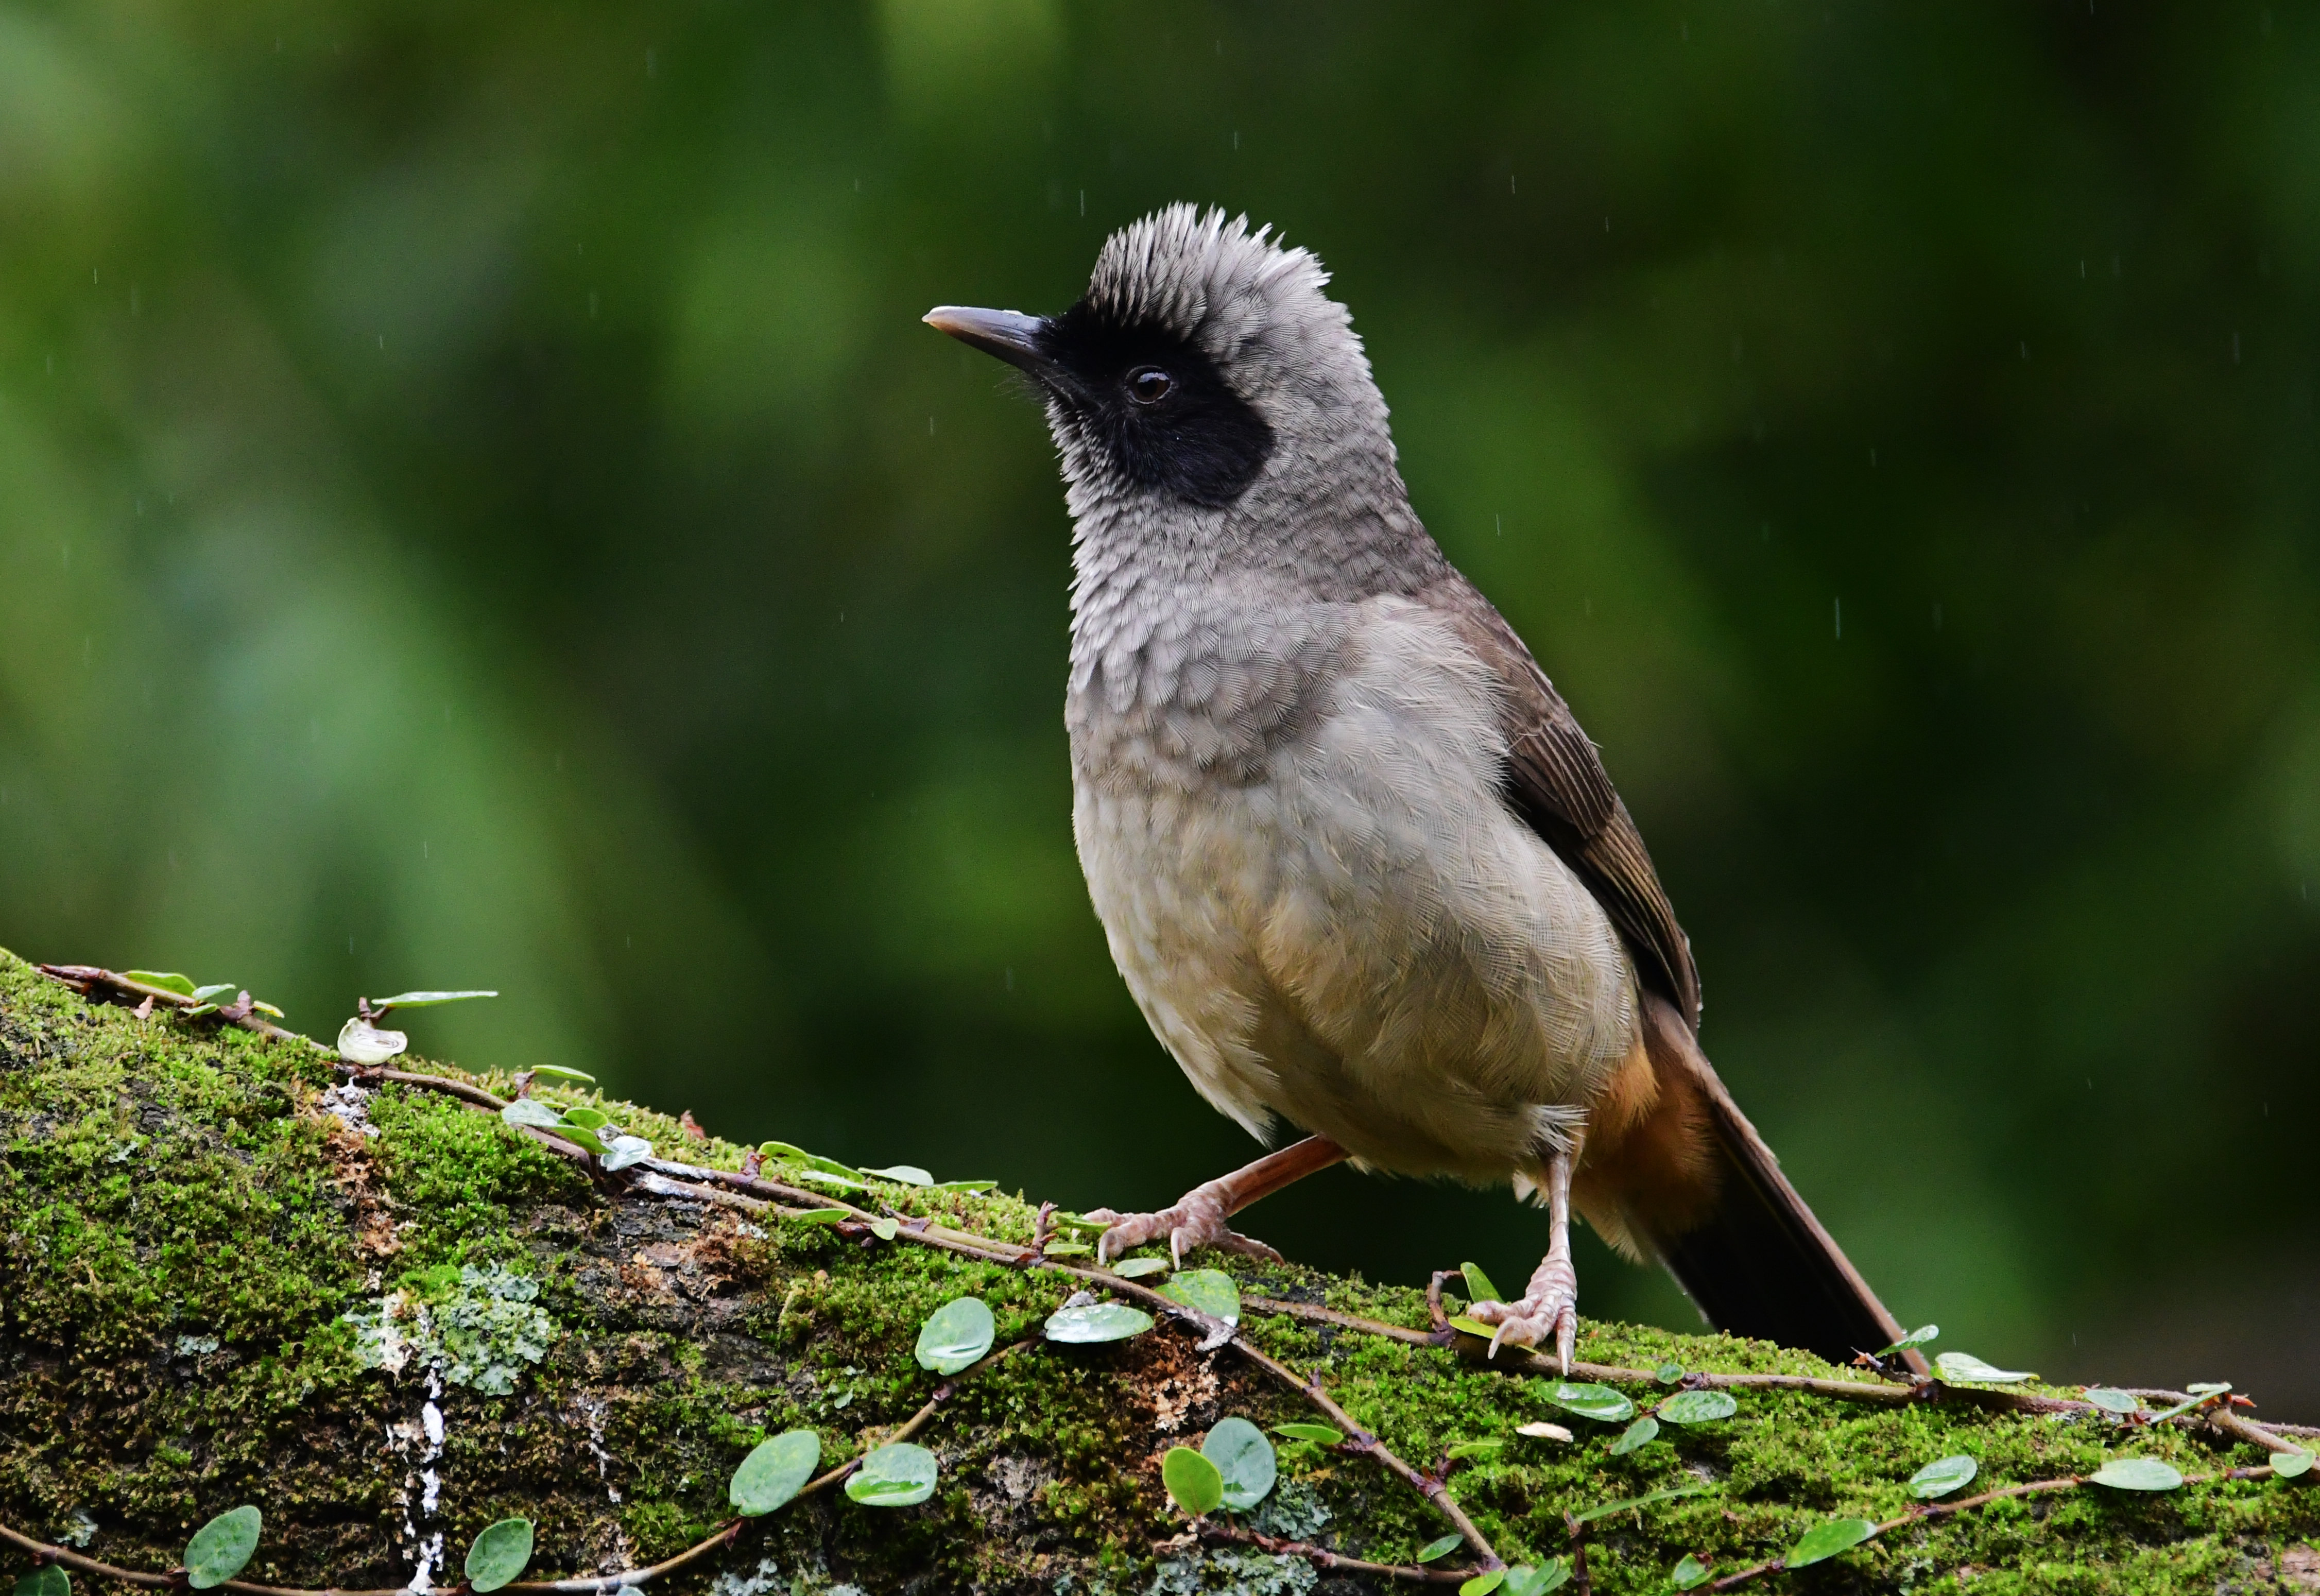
[1360,1440]
[727,1533]
[1324,1558]
[1932,1510]
[80,1564]
[2270,1437]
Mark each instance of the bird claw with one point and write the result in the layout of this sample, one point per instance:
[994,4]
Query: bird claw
[1195,1221]
[1551,1308]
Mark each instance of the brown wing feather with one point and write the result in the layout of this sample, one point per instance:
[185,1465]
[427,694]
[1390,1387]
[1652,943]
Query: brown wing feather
[1695,1184]
[1557,781]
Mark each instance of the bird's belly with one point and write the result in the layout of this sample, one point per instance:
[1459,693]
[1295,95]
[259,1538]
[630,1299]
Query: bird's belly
[1365,941]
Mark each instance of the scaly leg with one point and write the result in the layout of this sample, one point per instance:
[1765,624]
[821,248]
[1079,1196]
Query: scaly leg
[1551,1306]
[1198,1218]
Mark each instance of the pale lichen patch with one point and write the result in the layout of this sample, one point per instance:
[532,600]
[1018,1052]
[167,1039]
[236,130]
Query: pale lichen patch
[483,1332]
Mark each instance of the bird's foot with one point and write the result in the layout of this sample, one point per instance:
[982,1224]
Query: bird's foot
[1194,1220]
[1550,1308]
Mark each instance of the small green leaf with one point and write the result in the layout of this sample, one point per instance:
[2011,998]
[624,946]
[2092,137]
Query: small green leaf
[1689,1573]
[1209,1291]
[1698,1407]
[588,1118]
[2137,1473]
[1650,1498]
[1243,1459]
[906,1174]
[1072,1222]
[268,1009]
[556,1072]
[2288,1466]
[424,1000]
[964,1186]
[820,1216]
[1066,1249]
[580,1136]
[790,1155]
[895,1476]
[833,1180]
[213,991]
[222,1548]
[167,981]
[624,1150]
[1917,1338]
[48,1578]
[956,1335]
[1669,1373]
[1963,1366]
[1591,1402]
[776,1470]
[1550,1575]
[2207,1388]
[530,1110]
[2113,1401]
[1436,1548]
[1096,1321]
[1138,1268]
[1476,1448]
[1474,1327]
[1838,1534]
[1940,1477]
[498,1555]
[1320,1434]
[1194,1483]
[1642,1433]
[885,1229]
[1483,1583]
[1478,1288]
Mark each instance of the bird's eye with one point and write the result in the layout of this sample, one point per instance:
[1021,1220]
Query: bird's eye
[1148,385]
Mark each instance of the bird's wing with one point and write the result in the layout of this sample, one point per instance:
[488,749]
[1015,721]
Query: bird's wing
[1556,781]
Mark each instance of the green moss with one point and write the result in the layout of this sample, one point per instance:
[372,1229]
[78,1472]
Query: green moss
[198,1261]
[459,1179]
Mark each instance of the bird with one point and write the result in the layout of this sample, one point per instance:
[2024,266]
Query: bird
[1354,857]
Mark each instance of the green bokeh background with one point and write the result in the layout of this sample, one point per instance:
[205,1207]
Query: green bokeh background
[477,507]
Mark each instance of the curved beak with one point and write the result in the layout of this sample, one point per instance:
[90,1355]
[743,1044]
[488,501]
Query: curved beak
[1010,335]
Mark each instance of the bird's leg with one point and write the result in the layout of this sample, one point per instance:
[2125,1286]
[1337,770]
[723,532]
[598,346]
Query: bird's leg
[1197,1218]
[1551,1305]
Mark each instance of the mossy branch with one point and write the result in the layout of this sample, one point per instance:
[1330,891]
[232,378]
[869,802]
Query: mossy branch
[220,1187]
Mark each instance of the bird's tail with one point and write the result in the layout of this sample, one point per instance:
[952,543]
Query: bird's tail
[1697,1188]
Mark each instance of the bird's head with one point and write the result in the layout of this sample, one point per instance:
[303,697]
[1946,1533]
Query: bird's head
[1204,369]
